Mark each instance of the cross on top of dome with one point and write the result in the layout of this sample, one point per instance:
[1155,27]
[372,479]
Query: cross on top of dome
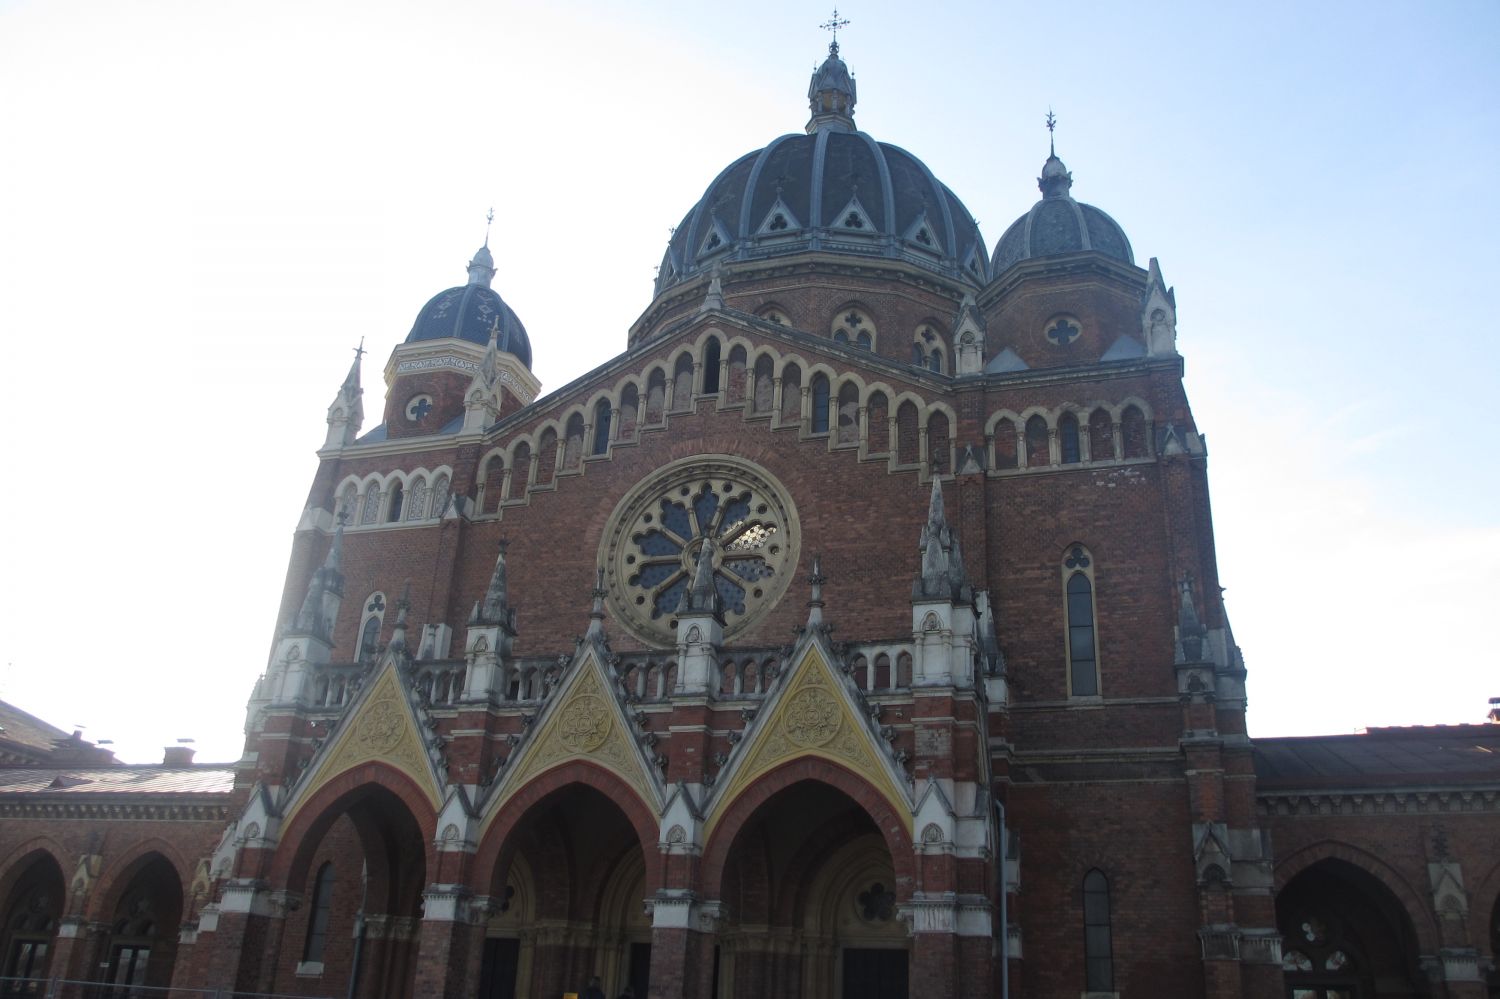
[833,24]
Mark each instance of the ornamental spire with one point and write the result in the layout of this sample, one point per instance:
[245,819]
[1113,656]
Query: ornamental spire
[325,591]
[596,613]
[494,608]
[830,95]
[1055,181]
[482,267]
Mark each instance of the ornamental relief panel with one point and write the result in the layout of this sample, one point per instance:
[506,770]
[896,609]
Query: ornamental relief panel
[382,730]
[813,718]
[583,726]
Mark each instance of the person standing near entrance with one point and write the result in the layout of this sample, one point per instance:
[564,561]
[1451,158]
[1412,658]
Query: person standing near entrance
[595,989]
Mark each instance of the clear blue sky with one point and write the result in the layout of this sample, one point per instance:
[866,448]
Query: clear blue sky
[205,205]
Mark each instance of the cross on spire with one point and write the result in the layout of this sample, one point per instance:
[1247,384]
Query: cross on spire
[359,352]
[833,24]
[488,220]
[1051,132]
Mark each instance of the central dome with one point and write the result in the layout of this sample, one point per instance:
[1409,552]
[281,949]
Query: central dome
[835,190]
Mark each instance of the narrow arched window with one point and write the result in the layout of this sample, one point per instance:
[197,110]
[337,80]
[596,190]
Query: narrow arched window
[711,367]
[1080,636]
[317,918]
[820,404]
[369,639]
[393,510]
[601,427]
[935,361]
[1098,960]
[1067,438]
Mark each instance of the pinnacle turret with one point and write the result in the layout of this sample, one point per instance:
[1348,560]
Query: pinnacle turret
[596,613]
[325,591]
[494,607]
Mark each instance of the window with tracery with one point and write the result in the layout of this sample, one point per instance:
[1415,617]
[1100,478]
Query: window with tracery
[1080,637]
[654,539]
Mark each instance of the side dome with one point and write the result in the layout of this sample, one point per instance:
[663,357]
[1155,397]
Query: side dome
[1058,224]
[834,190]
[470,312]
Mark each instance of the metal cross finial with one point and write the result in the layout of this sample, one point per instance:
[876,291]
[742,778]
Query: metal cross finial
[488,221]
[359,352]
[833,24]
[1051,132]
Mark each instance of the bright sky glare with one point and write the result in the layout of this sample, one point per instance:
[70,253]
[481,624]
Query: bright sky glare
[205,206]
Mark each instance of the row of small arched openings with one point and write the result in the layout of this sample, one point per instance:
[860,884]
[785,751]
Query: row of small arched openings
[1070,437]
[395,498]
[789,391]
[852,326]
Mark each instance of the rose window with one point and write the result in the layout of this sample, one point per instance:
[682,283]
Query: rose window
[656,535]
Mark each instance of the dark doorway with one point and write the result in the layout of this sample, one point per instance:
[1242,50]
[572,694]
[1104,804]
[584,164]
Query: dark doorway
[497,975]
[640,968]
[874,974]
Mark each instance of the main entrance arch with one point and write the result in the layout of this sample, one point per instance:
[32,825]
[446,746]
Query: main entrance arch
[568,876]
[810,887]
[356,865]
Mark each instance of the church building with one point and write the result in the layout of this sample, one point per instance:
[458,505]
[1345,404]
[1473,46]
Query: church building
[855,632]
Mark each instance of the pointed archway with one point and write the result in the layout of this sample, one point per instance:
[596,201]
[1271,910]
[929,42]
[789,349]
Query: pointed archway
[810,891]
[32,907]
[1346,936]
[143,917]
[353,871]
[567,877]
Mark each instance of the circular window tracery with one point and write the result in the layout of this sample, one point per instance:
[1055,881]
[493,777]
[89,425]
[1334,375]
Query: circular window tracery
[654,538]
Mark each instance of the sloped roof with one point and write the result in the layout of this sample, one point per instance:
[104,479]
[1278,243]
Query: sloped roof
[27,729]
[124,779]
[1429,754]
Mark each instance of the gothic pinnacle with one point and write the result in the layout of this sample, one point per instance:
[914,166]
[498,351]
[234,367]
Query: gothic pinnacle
[596,613]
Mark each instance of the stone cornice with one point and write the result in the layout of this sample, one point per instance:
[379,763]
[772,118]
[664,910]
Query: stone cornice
[1368,801]
[149,810]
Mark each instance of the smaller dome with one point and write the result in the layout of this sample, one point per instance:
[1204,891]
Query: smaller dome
[1058,224]
[471,311]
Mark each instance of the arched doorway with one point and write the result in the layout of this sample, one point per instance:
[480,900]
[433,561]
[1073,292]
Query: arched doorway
[33,906]
[567,897]
[1346,936]
[809,889]
[354,889]
[144,920]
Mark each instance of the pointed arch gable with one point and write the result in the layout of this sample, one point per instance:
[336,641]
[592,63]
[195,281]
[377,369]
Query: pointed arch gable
[380,728]
[812,717]
[502,822]
[118,873]
[583,720]
[303,830]
[1412,902]
[894,824]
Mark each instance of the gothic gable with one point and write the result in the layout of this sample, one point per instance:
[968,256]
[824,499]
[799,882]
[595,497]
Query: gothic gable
[584,720]
[813,713]
[380,727]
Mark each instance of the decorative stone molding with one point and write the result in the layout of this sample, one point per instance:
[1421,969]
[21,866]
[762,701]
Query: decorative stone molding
[1360,802]
[678,908]
[447,903]
[947,912]
[116,811]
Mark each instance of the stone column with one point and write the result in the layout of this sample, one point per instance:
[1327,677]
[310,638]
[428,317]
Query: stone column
[450,943]
[683,934]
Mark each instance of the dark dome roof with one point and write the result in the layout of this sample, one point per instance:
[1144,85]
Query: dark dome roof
[834,189]
[469,312]
[1058,224]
